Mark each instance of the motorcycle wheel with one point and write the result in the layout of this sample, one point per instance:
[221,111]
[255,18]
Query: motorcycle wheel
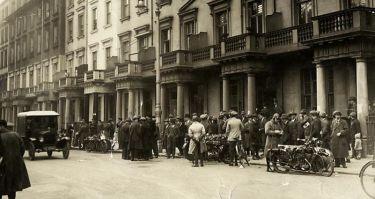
[278,162]
[49,153]
[66,151]
[103,146]
[327,166]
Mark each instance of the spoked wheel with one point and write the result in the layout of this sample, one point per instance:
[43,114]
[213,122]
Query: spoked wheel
[49,153]
[103,146]
[31,151]
[325,165]
[279,161]
[66,151]
[367,176]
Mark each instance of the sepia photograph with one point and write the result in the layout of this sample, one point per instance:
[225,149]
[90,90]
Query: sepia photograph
[187,99]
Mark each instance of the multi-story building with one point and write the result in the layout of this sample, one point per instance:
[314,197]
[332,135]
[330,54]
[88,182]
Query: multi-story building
[164,57]
[35,54]
[4,28]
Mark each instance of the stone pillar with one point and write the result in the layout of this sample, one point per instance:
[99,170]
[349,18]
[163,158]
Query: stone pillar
[141,105]
[321,93]
[352,80]
[186,99]
[77,109]
[225,93]
[251,93]
[131,103]
[136,102]
[96,107]
[362,99]
[59,110]
[180,100]
[163,103]
[123,105]
[67,112]
[118,106]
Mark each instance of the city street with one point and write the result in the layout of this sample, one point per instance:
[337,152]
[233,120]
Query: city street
[93,175]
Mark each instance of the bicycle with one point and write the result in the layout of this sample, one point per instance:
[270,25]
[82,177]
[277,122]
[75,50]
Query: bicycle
[367,176]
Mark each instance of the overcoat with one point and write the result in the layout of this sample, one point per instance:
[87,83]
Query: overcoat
[251,135]
[13,170]
[147,135]
[135,138]
[339,144]
[293,130]
[196,134]
[273,138]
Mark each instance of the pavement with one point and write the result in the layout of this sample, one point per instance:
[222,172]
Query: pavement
[98,176]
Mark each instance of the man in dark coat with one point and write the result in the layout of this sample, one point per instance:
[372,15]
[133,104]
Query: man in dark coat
[293,128]
[147,137]
[172,133]
[326,130]
[354,128]
[83,133]
[135,138]
[252,127]
[13,172]
[315,125]
[262,123]
[125,130]
[180,138]
[339,143]
[286,137]
[305,126]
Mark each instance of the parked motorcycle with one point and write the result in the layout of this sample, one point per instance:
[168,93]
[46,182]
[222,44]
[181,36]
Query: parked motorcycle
[97,143]
[307,158]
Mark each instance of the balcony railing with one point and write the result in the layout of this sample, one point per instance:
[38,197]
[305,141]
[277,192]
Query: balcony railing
[335,22]
[305,32]
[68,82]
[169,58]
[279,38]
[19,92]
[179,57]
[94,75]
[236,43]
[201,54]
[31,90]
[45,86]
[5,95]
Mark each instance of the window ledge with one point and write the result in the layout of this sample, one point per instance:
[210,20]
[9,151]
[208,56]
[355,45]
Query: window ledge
[142,11]
[94,31]
[125,19]
[107,26]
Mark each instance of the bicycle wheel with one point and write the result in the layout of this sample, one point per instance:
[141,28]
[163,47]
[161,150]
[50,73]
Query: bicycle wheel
[367,176]
[279,161]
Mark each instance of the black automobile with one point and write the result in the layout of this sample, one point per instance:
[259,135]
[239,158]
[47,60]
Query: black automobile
[39,131]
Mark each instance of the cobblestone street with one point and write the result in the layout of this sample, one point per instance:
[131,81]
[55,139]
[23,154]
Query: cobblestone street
[92,175]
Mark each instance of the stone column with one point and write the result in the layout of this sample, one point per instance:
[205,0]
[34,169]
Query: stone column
[123,105]
[118,105]
[131,103]
[186,99]
[136,102]
[59,110]
[141,105]
[225,93]
[180,100]
[77,109]
[362,99]
[251,93]
[321,93]
[163,103]
[14,114]
[67,112]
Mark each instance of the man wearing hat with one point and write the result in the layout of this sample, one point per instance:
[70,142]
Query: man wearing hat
[125,131]
[354,128]
[180,137]
[273,132]
[352,105]
[213,127]
[286,137]
[196,135]
[262,123]
[254,138]
[164,134]
[147,137]
[315,124]
[13,170]
[305,125]
[233,130]
[325,132]
[135,138]
[172,133]
[293,128]
[339,143]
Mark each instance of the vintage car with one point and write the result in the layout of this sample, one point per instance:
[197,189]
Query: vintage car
[39,131]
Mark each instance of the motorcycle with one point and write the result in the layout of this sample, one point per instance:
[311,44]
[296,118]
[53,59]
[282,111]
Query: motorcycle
[306,158]
[97,143]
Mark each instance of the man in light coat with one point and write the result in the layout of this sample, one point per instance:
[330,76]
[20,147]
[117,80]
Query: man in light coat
[273,131]
[339,142]
[196,134]
[233,130]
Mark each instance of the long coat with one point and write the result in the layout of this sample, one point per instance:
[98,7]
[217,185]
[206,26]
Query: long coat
[273,138]
[339,144]
[293,130]
[251,136]
[135,138]
[147,135]
[15,176]
[196,134]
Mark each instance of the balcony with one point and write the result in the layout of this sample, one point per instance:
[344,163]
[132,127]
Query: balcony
[19,92]
[94,75]
[343,24]
[68,82]
[179,58]
[5,95]
[45,87]
[30,92]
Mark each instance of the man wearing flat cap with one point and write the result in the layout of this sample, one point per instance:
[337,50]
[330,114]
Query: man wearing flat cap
[286,137]
[339,143]
[273,132]
[293,128]
[233,130]
[135,138]
[354,128]
[172,133]
[125,131]
[196,135]
[305,125]
[316,126]
[325,132]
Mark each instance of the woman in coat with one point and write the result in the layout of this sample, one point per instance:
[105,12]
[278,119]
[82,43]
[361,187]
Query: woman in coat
[13,172]
[339,143]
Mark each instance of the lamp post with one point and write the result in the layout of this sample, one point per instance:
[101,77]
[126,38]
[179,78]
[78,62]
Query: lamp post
[158,110]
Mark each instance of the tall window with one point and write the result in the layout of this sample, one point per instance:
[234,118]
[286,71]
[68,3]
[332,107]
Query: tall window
[94,60]
[108,12]
[125,45]
[305,10]
[39,41]
[80,60]
[108,53]
[31,38]
[125,9]
[24,48]
[81,26]
[255,16]
[70,30]
[46,38]
[221,24]
[142,42]
[94,19]
[31,79]
[55,35]
[189,30]
[165,39]
[308,77]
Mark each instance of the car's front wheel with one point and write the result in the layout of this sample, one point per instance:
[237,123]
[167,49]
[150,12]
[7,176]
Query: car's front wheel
[66,151]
